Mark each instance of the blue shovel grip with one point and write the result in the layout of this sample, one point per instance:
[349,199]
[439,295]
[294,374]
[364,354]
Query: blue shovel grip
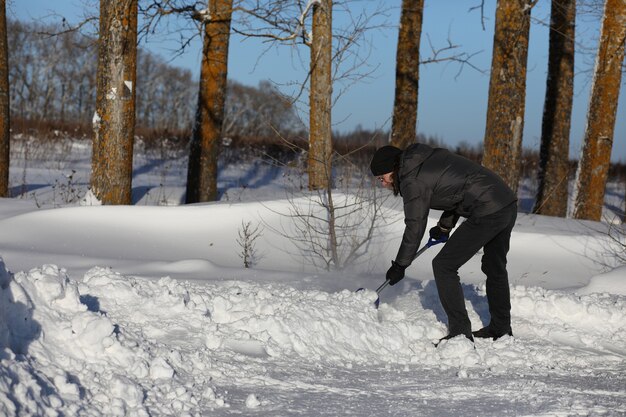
[433,242]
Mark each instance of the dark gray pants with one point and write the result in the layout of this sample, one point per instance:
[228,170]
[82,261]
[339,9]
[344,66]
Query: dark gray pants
[492,233]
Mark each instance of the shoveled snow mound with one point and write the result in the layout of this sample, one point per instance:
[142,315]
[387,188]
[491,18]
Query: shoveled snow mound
[118,345]
[612,282]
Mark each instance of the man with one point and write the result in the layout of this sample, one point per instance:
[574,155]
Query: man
[434,178]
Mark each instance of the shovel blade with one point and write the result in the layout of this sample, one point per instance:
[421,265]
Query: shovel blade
[376,302]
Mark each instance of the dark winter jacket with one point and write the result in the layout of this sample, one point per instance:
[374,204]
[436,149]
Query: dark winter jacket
[434,178]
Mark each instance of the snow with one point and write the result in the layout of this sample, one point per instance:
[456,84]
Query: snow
[95,119]
[147,310]
[112,94]
[608,282]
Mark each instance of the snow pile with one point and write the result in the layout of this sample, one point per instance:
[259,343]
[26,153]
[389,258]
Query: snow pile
[120,345]
[67,344]
[612,282]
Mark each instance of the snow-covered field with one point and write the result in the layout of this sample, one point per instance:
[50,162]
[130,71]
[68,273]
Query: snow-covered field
[147,310]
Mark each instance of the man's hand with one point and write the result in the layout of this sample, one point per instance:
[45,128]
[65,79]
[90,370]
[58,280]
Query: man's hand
[439,233]
[395,273]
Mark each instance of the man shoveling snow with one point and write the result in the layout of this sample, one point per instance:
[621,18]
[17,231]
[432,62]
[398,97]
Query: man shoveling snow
[434,178]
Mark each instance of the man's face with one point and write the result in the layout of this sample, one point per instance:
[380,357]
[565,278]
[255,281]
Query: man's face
[386,180]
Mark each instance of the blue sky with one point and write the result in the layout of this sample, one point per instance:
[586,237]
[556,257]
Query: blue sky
[452,104]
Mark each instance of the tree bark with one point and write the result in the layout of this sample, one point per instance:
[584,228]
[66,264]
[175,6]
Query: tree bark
[404,121]
[557,112]
[114,121]
[507,90]
[202,171]
[5,116]
[320,140]
[595,156]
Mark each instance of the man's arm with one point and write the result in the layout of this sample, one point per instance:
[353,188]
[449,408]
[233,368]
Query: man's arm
[448,220]
[416,196]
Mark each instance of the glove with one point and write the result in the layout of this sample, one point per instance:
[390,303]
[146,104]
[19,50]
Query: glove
[395,273]
[438,233]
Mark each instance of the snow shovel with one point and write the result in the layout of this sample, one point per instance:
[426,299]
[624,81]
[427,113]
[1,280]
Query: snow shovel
[431,242]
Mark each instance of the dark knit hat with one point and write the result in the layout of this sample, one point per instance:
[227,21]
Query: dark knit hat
[385,159]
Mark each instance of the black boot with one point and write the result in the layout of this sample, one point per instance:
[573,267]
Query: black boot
[489,333]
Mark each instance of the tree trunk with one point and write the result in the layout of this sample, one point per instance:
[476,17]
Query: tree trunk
[557,112]
[404,122]
[202,171]
[595,156]
[114,121]
[507,90]
[5,116]
[320,140]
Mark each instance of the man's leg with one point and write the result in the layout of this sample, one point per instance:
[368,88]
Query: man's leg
[464,243]
[494,266]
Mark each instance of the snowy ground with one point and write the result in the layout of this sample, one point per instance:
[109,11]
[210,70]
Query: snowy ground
[147,310]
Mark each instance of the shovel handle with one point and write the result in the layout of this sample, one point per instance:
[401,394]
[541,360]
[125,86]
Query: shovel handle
[382,287]
[431,242]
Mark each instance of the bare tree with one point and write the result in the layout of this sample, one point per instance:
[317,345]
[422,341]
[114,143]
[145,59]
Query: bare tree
[595,155]
[507,90]
[320,140]
[63,84]
[5,121]
[165,94]
[326,225]
[258,112]
[404,121]
[333,230]
[202,172]
[557,112]
[352,219]
[114,120]
[248,235]
[336,60]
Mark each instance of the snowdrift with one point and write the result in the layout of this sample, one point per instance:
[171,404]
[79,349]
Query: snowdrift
[121,345]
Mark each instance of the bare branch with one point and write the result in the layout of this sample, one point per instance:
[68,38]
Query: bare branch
[481,6]
[439,55]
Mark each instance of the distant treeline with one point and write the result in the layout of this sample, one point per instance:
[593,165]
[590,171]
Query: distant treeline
[53,83]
